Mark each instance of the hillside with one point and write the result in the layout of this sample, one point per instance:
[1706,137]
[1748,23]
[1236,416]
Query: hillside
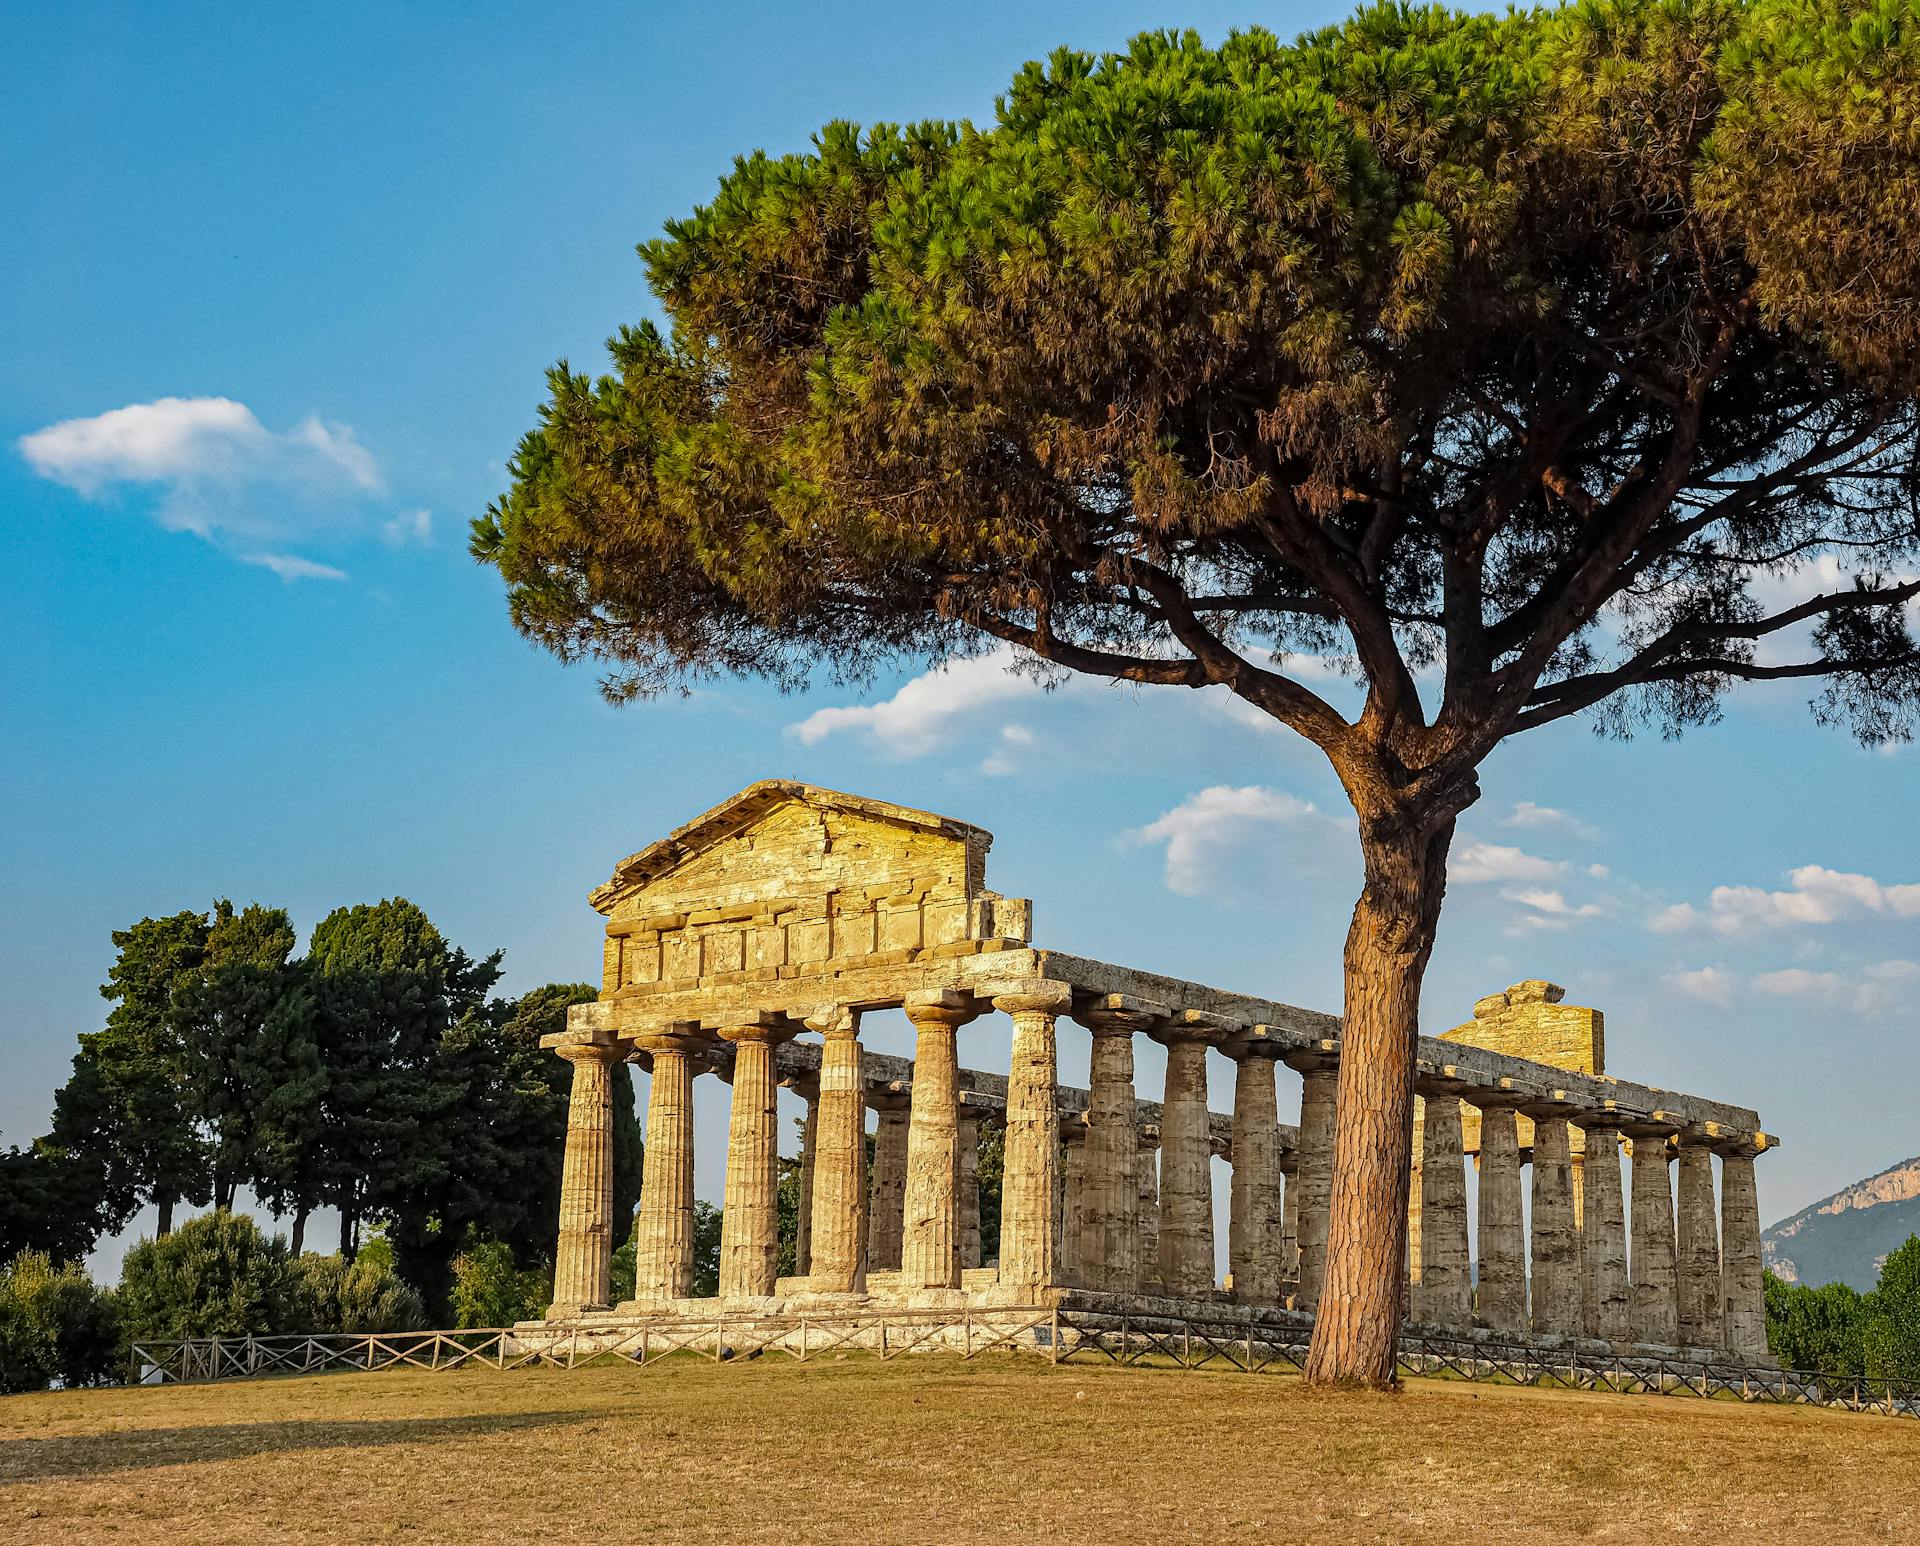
[1845,1237]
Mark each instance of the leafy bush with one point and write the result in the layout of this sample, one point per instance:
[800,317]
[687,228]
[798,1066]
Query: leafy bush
[490,1289]
[332,1294]
[214,1276]
[56,1323]
[1892,1340]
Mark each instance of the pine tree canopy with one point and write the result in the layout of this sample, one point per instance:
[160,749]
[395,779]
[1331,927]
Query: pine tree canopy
[1535,352]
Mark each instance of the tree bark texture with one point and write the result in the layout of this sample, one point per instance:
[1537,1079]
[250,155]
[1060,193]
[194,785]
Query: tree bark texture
[1357,1320]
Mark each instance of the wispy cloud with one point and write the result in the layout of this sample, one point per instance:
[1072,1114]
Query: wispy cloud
[1203,832]
[1546,909]
[412,528]
[1708,984]
[291,566]
[1476,863]
[210,467]
[1527,815]
[928,712]
[1818,896]
[1874,990]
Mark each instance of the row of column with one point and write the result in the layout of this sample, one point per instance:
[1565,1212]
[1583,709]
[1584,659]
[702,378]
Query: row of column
[1694,1278]
[1082,1204]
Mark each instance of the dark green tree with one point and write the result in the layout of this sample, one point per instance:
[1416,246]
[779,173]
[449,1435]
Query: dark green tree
[1518,362]
[1816,1330]
[1892,1316]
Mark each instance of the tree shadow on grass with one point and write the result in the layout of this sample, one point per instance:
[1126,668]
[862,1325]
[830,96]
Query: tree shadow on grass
[102,1454]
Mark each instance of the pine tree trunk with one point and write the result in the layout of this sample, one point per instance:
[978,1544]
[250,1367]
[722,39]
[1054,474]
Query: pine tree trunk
[299,1229]
[165,1206]
[1357,1323]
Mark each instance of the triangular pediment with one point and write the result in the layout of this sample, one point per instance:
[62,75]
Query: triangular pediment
[780,836]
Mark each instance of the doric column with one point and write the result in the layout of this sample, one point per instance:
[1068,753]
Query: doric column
[1109,1251]
[808,1090]
[1146,1170]
[1698,1243]
[838,1263]
[1254,1229]
[1503,1245]
[930,1246]
[750,1222]
[1073,1197]
[1607,1298]
[1032,1154]
[1556,1243]
[1656,1314]
[1744,1313]
[970,1251]
[1289,1247]
[1186,1171]
[1444,1296]
[887,1194]
[582,1257]
[1313,1181]
[663,1237]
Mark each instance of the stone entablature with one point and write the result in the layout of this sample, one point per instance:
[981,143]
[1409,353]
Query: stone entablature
[788,912]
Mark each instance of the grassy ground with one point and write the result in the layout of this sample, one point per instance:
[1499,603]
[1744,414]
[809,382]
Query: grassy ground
[930,1450]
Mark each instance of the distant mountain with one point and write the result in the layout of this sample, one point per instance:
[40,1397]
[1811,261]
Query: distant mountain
[1845,1238]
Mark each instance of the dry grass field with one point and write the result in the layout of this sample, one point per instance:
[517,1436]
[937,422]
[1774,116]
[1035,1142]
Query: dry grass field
[927,1451]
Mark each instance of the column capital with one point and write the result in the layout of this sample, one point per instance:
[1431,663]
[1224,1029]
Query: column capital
[1073,1127]
[894,1096]
[1257,1041]
[765,1025]
[1321,1056]
[1738,1145]
[1039,995]
[1147,1135]
[684,1036]
[1593,1119]
[589,1052]
[1120,1014]
[940,1006]
[1488,1098]
[1196,1025]
[1695,1135]
[836,1022]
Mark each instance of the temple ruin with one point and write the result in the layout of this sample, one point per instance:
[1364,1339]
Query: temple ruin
[749,943]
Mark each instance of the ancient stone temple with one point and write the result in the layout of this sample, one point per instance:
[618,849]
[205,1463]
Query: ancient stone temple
[748,944]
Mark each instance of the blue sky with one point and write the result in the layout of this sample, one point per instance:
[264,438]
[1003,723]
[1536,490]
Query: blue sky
[324,258]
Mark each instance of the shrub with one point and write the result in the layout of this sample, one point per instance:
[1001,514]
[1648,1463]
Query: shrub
[1893,1317]
[56,1323]
[489,1289]
[1818,1330]
[214,1276]
[331,1294]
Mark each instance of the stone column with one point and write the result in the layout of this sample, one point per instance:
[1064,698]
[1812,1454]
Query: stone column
[1557,1297]
[1032,1155]
[1073,1197]
[887,1194]
[809,1091]
[1444,1296]
[838,1263]
[663,1236]
[930,1246]
[1289,1247]
[1744,1314]
[1109,1252]
[1146,1163]
[1608,1297]
[1253,1235]
[1313,1188]
[750,1223]
[1186,1172]
[1503,1245]
[970,1252]
[1656,1313]
[1698,1242]
[582,1258]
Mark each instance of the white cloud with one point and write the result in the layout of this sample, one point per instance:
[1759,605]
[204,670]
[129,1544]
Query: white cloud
[1526,814]
[1818,896]
[926,713]
[1708,984]
[1875,990]
[1547,909]
[411,528]
[1002,760]
[1477,862]
[291,566]
[212,468]
[1206,829]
